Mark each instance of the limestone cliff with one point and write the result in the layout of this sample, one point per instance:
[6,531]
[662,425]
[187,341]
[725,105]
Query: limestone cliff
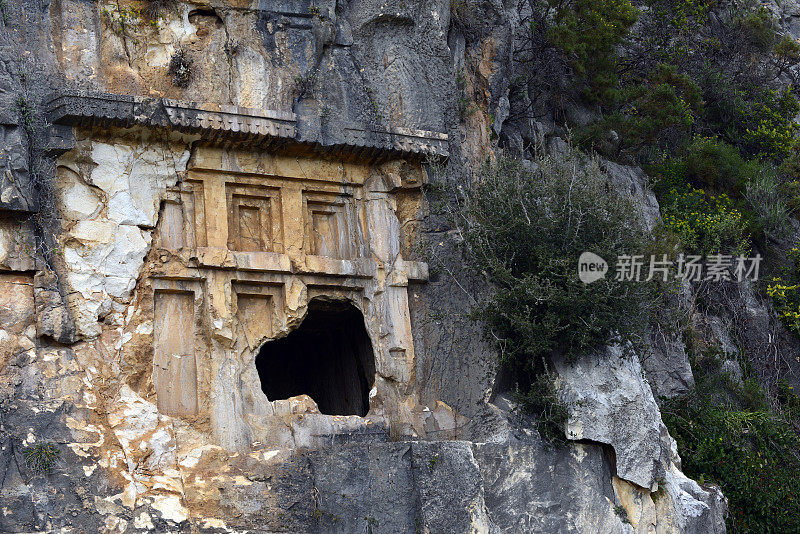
[185,186]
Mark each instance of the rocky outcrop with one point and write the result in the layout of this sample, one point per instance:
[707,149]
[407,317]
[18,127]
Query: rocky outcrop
[611,402]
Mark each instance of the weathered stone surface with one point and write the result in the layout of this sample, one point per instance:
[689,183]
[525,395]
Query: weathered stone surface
[53,318]
[530,489]
[16,191]
[109,196]
[667,367]
[632,183]
[611,402]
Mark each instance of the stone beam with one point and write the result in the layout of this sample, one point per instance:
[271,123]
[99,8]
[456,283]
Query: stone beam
[223,123]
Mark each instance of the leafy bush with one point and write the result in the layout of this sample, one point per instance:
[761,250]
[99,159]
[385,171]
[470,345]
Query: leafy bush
[787,49]
[731,63]
[759,28]
[525,228]
[40,457]
[790,167]
[589,32]
[659,112]
[763,194]
[667,100]
[769,127]
[706,222]
[716,165]
[542,400]
[785,293]
[727,434]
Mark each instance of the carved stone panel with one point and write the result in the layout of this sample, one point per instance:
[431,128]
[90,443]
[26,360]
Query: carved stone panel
[329,226]
[182,222]
[175,365]
[254,221]
[258,309]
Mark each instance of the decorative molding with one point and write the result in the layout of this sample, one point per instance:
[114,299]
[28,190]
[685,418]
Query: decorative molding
[230,123]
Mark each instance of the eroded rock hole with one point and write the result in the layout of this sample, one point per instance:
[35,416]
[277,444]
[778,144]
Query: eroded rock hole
[206,21]
[328,357]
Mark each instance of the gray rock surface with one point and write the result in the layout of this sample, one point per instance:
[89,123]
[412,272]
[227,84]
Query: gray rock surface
[667,367]
[632,183]
[611,402]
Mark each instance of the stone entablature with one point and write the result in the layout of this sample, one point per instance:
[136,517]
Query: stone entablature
[219,122]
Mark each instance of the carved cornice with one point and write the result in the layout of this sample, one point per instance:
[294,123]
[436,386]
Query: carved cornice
[220,123]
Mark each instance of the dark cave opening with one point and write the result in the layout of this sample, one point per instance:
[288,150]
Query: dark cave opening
[328,357]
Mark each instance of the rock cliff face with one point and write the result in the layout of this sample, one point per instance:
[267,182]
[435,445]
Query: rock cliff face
[185,188]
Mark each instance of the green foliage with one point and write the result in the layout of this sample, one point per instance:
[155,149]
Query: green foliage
[759,27]
[763,194]
[785,293]
[4,12]
[27,117]
[541,400]
[706,222]
[787,49]
[622,513]
[682,14]
[769,127]
[789,401]
[589,32]
[690,73]
[716,165]
[40,457]
[433,461]
[525,229]
[727,434]
[659,112]
[790,167]
[667,100]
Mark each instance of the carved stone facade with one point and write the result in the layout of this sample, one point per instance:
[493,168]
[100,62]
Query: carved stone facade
[244,243]
[200,252]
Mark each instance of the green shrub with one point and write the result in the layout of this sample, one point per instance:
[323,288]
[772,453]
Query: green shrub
[693,203]
[717,166]
[764,196]
[589,32]
[660,112]
[727,434]
[668,100]
[785,293]
[541,399]
[769,127]
[789,401]
[705,224]
[790,167]
[717,77]
[40,457]
[525,229]
[787,49]
[759,28]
